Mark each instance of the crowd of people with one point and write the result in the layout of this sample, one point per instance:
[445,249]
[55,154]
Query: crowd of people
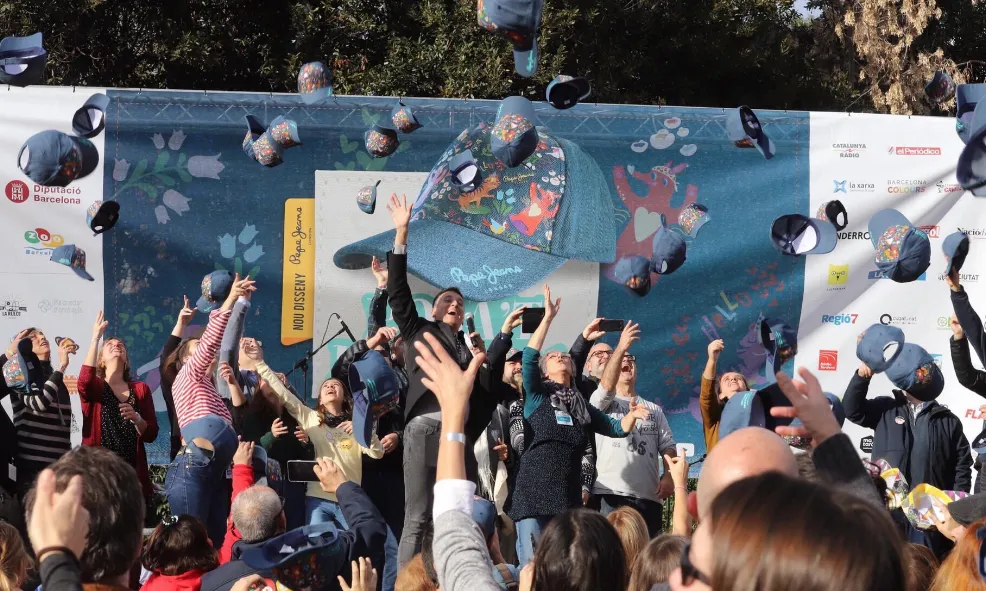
[497,469]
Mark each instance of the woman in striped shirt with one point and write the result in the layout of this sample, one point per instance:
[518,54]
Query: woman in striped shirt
[209,441]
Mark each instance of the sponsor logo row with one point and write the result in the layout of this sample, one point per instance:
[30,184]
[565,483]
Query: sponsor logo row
[838,277]
[828,360]
[15,307]
[893,186]
[858,151]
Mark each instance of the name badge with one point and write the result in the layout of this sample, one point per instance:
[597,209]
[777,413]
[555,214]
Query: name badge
[563,418]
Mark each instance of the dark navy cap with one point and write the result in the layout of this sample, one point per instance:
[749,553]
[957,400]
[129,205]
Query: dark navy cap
[464,172]
[22,371]
[956,248]
[314,82]
[102,215]
[940,88]
[915,372]
[381,141]
[403,118]
[970,170]
[564,92]
[903,251]
[634,273]
[669,250]
[376,390]
[779,340]
[74,257]
[514,137]
[310,557]
[795,234]
[514,354]
[967,96]
[744,409]
[745,131]
[518,21]
[979,443]
[879,345]
[22,60]
[55,159]
[90,119]
[215,290]
[835,212]
[484,514]
[366,199]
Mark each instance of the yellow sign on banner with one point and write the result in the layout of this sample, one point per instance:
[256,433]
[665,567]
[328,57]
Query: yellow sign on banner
[298,272]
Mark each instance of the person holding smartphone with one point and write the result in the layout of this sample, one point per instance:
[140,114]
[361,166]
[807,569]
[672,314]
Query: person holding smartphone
[557,423]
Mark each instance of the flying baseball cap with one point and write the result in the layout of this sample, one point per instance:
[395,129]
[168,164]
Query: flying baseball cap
[381,141]
[215,290]
[745,131]
[879,345]
[464,172]
[22,60]
[55,159]
[692,218]
[967,96]
[515,138]
[309,557]
[916,372]
[634,273]
[668,249]
[835,212]
[903,251]
[779,340]
[376,390]
[744,409]
[260,145]
[956,248]
[90,119]
[403,118]
[795,234]
[314,82]
[970,170]
[72,256]
[22,371]
[511,235]
[940,88]
[564,92]
[518,21]
[366,199]
[101,216]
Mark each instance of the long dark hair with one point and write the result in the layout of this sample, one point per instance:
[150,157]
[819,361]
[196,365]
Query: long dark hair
[580,551]
[173,364]
[347,402]
[179,547]
[101,367]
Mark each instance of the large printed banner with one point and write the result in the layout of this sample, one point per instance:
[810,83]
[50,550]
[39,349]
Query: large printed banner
[193,202]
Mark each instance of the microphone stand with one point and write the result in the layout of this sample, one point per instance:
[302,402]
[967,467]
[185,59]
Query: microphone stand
[302,363]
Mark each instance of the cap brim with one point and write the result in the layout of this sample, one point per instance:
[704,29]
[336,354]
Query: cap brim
[204,305]
[828,237]
[526,61]
[83,273]
[883,219]
[970,170]
[482,267]
[968,510]
[362,425]
[765,145]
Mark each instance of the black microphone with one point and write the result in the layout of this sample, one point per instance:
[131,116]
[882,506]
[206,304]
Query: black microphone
[349,333]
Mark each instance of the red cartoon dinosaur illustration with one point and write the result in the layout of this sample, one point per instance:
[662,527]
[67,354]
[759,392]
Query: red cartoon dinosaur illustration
[544,203]
[645,210]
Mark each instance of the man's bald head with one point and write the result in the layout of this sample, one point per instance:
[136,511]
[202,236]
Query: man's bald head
[257,514]
[746,452]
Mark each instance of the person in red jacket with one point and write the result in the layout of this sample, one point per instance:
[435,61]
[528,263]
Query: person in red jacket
[177,554]
[118,413]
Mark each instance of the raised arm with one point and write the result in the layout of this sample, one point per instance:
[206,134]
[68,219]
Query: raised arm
[398,290]
[611,373]
[582,345]
[859,410]
[377,318]
[970,377]
[174,340]
[305,416]
[199,363]
[145,404]
[971,324]
[229,350]
[707,401]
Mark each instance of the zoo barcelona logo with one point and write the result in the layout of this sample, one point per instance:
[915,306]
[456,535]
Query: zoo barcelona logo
[849,150]
[40,242]
[851,187]
[839,319]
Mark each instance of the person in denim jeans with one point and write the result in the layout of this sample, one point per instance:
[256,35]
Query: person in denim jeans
[199,469]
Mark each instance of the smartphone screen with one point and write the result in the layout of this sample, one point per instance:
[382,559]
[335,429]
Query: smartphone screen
[301,471]
[611,325]
[530,319]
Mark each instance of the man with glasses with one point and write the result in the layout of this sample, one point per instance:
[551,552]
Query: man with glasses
[589,359]
[629,470]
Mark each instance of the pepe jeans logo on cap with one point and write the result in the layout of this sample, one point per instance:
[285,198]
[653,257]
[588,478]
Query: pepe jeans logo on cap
[488,274]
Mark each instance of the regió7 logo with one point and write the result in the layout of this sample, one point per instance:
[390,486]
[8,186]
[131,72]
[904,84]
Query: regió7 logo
[838,319]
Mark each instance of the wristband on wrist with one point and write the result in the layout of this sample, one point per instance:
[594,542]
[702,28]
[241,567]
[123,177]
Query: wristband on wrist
[456,437]
[63,549]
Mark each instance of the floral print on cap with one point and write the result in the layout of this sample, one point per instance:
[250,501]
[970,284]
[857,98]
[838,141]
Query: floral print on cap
[888,247]
[381,144]
[510,126]
[313,77]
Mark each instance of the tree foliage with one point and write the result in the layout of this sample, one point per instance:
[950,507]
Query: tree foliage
[683,52]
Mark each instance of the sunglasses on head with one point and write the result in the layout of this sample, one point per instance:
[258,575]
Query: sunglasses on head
[688,571]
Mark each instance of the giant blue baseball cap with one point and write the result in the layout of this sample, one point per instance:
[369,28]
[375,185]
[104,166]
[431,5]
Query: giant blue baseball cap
[55,159]
[967,96]
[903,251]
[795,234]
[512,231]
[22,60]
[745,131]
[515,138]
[518,21]
[915,372]
[879,345]
[376,390]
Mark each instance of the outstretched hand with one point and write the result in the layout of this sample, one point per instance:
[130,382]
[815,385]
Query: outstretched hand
[550,309]
[629,336]
[809,404]
[379,272]
[591,331]
[400,210]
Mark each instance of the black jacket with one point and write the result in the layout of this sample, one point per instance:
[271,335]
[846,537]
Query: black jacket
[366,536]
[949,461]
[580,354]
